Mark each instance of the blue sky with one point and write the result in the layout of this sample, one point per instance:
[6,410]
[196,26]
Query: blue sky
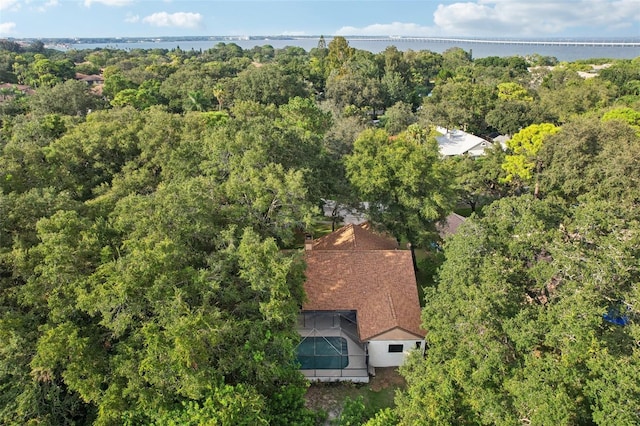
[479,18]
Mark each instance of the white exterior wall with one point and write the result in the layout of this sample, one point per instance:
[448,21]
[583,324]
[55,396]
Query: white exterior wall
[379,355]
[479,149]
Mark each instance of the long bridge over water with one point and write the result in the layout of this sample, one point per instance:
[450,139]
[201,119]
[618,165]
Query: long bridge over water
[586,43]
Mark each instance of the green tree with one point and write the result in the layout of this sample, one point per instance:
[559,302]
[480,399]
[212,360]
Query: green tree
[403,179]
[398,117]
[459,104]
[627,115]
[563,95]
[357,85]
[225,406]
[516,326]
[219,93]
[353,412]
[592,158]
[339,54]
[190,78]
[131,294]
[68,98]
[196,101]
[455,58]
[478,180]
[509,117]
[268,166]
[149,94]
[513,92]
[303,113]
[23,161]
[115,82]
[268,84]
[44,72]
[624,74]
[524,161]
[395,87]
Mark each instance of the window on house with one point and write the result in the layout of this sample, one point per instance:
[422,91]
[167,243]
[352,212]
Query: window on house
[418,345]
[395,348]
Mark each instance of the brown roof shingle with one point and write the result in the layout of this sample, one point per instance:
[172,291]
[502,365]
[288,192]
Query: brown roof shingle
[354,237]
[450,224]
[378,283]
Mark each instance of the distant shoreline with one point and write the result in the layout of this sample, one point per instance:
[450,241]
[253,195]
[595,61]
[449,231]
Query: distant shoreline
[563,49]
[551,41]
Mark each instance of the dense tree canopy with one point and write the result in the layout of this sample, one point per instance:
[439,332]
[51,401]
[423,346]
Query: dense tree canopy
[142,280]
[529,320]
[150,226]
[403,179]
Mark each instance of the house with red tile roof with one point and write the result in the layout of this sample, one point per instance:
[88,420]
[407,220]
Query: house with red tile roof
[362,309]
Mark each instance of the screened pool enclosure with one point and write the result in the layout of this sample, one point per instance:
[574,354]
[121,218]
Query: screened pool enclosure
[329,348]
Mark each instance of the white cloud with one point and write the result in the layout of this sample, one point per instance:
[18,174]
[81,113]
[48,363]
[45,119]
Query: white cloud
[48,4]
[88,3]
[7,27]
[534,18]
[9,5]
[178,19]
[131,18]
[395,28]
[515,18]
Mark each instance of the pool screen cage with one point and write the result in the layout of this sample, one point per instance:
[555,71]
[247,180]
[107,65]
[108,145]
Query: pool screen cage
[329,344]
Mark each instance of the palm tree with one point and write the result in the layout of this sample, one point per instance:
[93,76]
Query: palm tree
[197,101]
[218,92]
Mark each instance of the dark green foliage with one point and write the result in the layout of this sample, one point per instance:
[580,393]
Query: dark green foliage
[515,326]
[625,75]
[134,289]
[352,412]
[268,84]
[508,117]
[146,270]
[68,98]
[517,63]
[459,105]
[479,181]
[403,179]
[593,158]
[397,118]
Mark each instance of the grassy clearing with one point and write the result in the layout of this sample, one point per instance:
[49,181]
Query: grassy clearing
[428,264]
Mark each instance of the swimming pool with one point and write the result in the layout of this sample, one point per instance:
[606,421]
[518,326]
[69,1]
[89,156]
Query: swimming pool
[323,353]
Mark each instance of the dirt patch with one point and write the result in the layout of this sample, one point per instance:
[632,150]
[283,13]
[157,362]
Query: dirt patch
[377,394]
[385,378]
[328,397]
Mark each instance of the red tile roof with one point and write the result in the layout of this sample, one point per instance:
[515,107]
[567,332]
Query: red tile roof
[377,282]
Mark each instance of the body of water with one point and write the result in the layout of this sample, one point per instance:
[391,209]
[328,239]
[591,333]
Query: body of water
[562,50]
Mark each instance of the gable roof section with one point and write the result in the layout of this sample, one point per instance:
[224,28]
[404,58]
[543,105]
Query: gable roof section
[457,142]
[354,237]
[449,225]
[379,284]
